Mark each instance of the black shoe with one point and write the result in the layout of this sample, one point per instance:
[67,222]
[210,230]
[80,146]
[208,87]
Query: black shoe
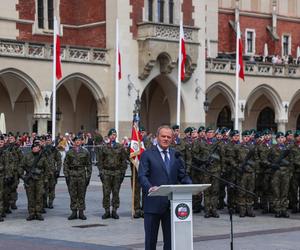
[106,215]
[285,214]
[30,217]
[3,215]
[50,205]
[8,211]
[39,217]
[207,215]
[13,206]
[114,215]
[277,215]
[81,215]
[44,211]
[215,214]
[73,216]
[1,219]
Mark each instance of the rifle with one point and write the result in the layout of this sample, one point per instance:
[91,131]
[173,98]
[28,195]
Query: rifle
[281,160]
[247,161]
[34,172]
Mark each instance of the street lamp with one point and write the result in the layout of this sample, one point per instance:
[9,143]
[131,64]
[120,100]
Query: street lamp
[206,104]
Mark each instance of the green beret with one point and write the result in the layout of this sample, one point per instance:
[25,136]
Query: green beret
[193,129]
[246,133]
[234,132]
[188,130]
[252,131]
[111,131]
[201,128]
[10,134]
[279,134]
[209,129]
[267,131]
[218,131]
[289,132]
[1,138]
[174,127]
[225,130]
[257,135]
[141,128]
[297,133]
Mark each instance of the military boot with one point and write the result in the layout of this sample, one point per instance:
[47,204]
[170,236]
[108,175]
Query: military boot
[285,214]
[277,214]
[13,206]
[215,214]
[8,211]
[50,205]
[39,217]
[250,211]
[43,211]
[73,216]
[114,214]
[106,215]
[30,217]
[1,219]
[242,211]
[81,215]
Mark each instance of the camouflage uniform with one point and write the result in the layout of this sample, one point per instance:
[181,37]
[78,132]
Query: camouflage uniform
[54,159]
[246,180]
[280,180]
[78,171]
[5,177]
[34,165]
[16,156]
[111,162]
[295,180]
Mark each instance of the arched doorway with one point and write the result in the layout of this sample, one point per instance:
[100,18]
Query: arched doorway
[224,118]
[17,104]
[77,107]
[266,120]
[159,102]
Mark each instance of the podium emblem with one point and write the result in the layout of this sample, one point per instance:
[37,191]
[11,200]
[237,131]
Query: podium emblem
[182,211]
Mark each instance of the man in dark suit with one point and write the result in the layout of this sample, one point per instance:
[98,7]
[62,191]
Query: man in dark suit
[159,165]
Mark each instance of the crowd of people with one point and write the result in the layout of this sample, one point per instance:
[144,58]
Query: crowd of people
[259,170]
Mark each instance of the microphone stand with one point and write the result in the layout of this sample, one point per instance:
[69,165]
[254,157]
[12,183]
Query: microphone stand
[230,185]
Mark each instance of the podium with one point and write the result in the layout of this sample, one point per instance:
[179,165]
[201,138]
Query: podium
[180,197]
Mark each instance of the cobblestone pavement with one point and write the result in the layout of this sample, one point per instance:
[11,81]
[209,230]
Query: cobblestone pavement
[264,232]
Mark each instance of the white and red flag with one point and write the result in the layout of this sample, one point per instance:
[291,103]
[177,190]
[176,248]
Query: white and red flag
[240,53]
[183,53]
[136,144]
[58,59]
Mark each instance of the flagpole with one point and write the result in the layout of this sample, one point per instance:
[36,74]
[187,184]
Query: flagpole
[55,33]
[179,72]
[236,118]
[117,79]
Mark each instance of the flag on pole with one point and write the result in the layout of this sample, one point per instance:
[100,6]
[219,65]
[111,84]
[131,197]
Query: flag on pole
[240,53]
[58,59]
[183,52]
[119,64]
[136,144]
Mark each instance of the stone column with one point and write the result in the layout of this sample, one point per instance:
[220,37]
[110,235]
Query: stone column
[103,123]
[281,126]
[42,120]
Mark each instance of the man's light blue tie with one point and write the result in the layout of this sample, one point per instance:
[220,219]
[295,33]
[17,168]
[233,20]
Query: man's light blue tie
[167,161]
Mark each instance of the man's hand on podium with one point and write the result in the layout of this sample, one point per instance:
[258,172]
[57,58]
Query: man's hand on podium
[152,189]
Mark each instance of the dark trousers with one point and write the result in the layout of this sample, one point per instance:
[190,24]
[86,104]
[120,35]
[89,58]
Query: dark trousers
[151,225]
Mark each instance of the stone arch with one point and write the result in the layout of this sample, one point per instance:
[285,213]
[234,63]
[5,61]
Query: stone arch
[220,87]
[294,111]
[270,93]
[30,84]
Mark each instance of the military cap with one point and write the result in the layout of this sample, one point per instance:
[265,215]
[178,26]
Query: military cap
[209,129]
[234,132]
[43,137]
[297,133]
[10,134]
[174,127]
[36,143]
[142,128]
[279,134]
[188,130]
[201,128]
[267,131]
[193,129]
[1,138]
[289,132]
[225,130]
[218,131]
[257,135]
[111,131]
[246,133]
[252,131]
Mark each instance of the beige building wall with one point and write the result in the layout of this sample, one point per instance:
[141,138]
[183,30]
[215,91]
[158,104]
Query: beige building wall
[8,17]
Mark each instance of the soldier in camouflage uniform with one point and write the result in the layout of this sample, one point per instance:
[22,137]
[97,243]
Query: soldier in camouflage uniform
[230,168]
[55,163]
[5,176]
[77,171]
[112,164]
[295,180]
[34,164]
[16,156]
[279,160]
[246,162]
[211,154]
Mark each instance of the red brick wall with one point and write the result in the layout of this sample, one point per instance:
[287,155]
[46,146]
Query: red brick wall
[227,35]
[136,15]
[188,10]
[84,12]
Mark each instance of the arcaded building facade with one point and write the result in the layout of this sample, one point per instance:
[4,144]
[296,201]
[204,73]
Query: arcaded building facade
[149,33]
